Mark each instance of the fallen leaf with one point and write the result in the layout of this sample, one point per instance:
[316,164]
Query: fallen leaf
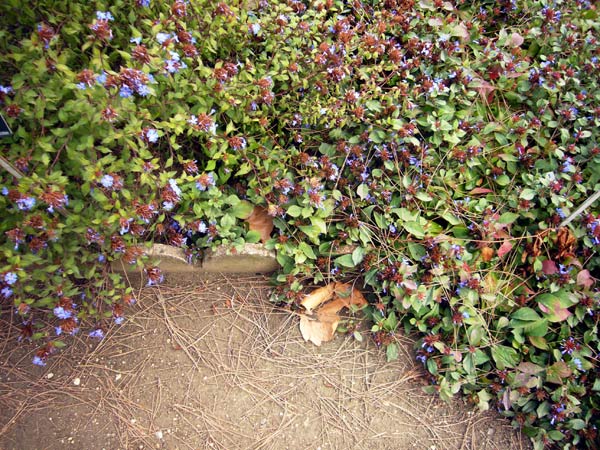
[487,253]
[350,294]
[318,296]
[328,312]
[317,331]
[260,220]
[565,241]
[549,267]
[585,279]
[516,40]
[504,248]
[327,302]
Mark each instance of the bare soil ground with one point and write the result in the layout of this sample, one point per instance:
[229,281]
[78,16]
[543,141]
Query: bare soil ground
[212,365]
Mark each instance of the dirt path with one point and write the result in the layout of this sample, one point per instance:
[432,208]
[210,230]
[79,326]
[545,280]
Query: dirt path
[213,366]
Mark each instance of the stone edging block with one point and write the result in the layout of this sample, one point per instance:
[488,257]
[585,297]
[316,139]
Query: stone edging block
[253,258]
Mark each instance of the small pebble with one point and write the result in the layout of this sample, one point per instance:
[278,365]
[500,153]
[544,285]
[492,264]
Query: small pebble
[159,434]
[50,376]
[77,381]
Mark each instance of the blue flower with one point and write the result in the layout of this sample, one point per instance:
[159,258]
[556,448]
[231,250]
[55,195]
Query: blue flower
[38,361]
[143,90]
[162,37]
[6,89]
[578,363]
[100,15]
[560,213]
[168,206]
[125,91]
[101,78]
[6,292]
[107,181]
[174,187]
[82,86]
[4,190]
[119,320]
[202,228]
[151,135]
[143,3]
[97,334]
[61,313]
[254,28]
[10,278]
[136,40]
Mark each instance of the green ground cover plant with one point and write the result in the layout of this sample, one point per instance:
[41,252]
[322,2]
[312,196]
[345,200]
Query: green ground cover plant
[426,151]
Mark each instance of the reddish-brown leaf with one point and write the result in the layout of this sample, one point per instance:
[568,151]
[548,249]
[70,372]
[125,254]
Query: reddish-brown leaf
[479,190]
[487,253]
[504,248]
[262,222]
[318,296]
[549,267]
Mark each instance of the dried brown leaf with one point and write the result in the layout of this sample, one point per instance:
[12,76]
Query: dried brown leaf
[317,331]
[487,253]
[318,296]
[350,294]
[261,221]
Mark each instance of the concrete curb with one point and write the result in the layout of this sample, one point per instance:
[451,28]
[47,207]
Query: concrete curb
[253,258]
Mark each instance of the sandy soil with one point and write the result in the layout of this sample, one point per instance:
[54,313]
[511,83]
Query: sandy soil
[211,365]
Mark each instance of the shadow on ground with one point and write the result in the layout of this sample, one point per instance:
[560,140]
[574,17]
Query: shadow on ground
[213,366]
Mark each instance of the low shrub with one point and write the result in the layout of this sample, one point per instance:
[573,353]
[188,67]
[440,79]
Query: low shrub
[430,151]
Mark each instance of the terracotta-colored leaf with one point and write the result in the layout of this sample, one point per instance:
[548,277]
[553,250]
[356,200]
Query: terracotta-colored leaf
[504,248]
[487,253]
[261,221]
[317,331]
[549,267]
[350,295]
[479,190]
[585,279]
[328,312]
[327,302]
[318,296]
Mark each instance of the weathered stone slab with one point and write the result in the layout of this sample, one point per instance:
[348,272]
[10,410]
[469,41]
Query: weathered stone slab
[253,258]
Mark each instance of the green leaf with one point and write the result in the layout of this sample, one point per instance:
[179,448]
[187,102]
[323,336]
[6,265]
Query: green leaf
[392,352]
[242,210]
[504,356]
[527,194]
[576,424]
[508,217]
[358,255]
[344,261]
[362,190]
[307,250]
[503,180]
[526,314]
[294,211]
[252,237]
[557,372]
[414,228]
